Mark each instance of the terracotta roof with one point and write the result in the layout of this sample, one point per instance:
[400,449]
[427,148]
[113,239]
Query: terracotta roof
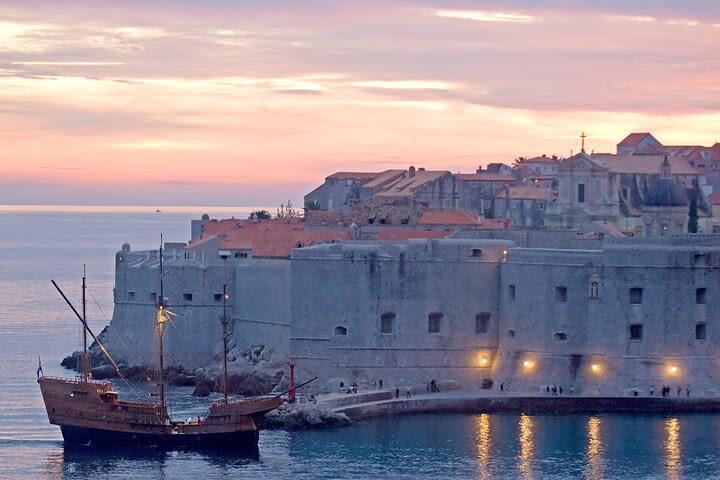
[270,238]
[202,240]
[714,198]
[633,139]
[383,178]
[222,227]
[485,177]
[525,171]
[405,185]
[647,164]
[448,217]
[540,159]
[525,193]
[355,175]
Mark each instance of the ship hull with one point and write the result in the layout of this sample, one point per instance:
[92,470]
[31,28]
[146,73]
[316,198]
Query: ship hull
[96,437]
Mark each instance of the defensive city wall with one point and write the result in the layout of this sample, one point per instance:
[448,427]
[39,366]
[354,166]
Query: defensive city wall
[624,313]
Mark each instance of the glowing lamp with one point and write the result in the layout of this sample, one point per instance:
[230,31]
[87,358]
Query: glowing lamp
[595,367]
[673,369]
[484,361]
[528,364]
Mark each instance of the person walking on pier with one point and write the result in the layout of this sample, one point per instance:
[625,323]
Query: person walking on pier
[502,387]
[652,390]
[380,383]
[397,392]
[407,393]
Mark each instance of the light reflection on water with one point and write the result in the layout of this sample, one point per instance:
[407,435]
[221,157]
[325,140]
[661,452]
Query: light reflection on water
[525,438]
[595,463]
[483,439]
[672,449]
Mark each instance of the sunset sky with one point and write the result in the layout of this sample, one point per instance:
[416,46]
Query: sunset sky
[251,103]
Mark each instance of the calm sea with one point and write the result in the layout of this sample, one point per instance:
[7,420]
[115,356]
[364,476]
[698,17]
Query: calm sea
[42,243]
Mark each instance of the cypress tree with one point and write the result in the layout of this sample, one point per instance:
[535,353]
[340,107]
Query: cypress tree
[693,214]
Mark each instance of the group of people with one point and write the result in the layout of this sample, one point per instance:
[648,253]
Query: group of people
[665,391]
[432,386]
[397,392]
[351,389]
[557,390]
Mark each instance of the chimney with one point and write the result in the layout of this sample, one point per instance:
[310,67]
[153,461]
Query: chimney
[411,171]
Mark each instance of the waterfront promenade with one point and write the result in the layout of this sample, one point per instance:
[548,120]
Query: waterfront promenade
[376,403]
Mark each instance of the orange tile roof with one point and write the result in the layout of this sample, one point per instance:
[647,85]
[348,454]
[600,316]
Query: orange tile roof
[383,178]
[355,175]
[222,227]
[448,217]
[540,159]
[633,139]
[647,164]
[268,238]
[525,193]
[714,198]
[405,185]
[202,240]
[485,177]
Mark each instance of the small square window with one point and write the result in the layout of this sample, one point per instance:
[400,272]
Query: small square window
[700,295]
[153,297]
[636,295]
[511,292]
[434,322]
[387,321]
[217,297]
[130,295]
[187,297]
[482,322]
[700,331]
[636,332]
[476,252]
[561,294]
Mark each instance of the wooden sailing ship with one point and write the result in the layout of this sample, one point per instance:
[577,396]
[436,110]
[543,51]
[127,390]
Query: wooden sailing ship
[91,413]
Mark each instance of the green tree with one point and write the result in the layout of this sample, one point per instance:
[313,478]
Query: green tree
[261,214]
[693,214]
[313,205]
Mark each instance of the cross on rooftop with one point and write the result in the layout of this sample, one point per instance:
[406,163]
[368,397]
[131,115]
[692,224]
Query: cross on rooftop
[582,138]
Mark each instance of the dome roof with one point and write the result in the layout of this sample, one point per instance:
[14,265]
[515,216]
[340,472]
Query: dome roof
[665,193]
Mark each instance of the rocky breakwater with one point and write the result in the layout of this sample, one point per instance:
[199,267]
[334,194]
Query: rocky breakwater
[255,371]
[305,415]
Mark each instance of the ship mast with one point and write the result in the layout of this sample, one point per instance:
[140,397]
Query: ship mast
[224,321]
[161,316]
[85,359]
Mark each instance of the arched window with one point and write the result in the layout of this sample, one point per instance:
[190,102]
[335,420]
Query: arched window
[560,336]
[511,333]
[340,330]
[482,322]
[594,286]
[435,322]
[387,323]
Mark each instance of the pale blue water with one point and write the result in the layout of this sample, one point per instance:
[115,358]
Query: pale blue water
[37,246]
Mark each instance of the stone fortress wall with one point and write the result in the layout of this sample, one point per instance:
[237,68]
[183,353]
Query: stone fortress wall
[259,303]
[631,312]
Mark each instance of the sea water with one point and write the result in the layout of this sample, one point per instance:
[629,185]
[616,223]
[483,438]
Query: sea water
[37,244]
